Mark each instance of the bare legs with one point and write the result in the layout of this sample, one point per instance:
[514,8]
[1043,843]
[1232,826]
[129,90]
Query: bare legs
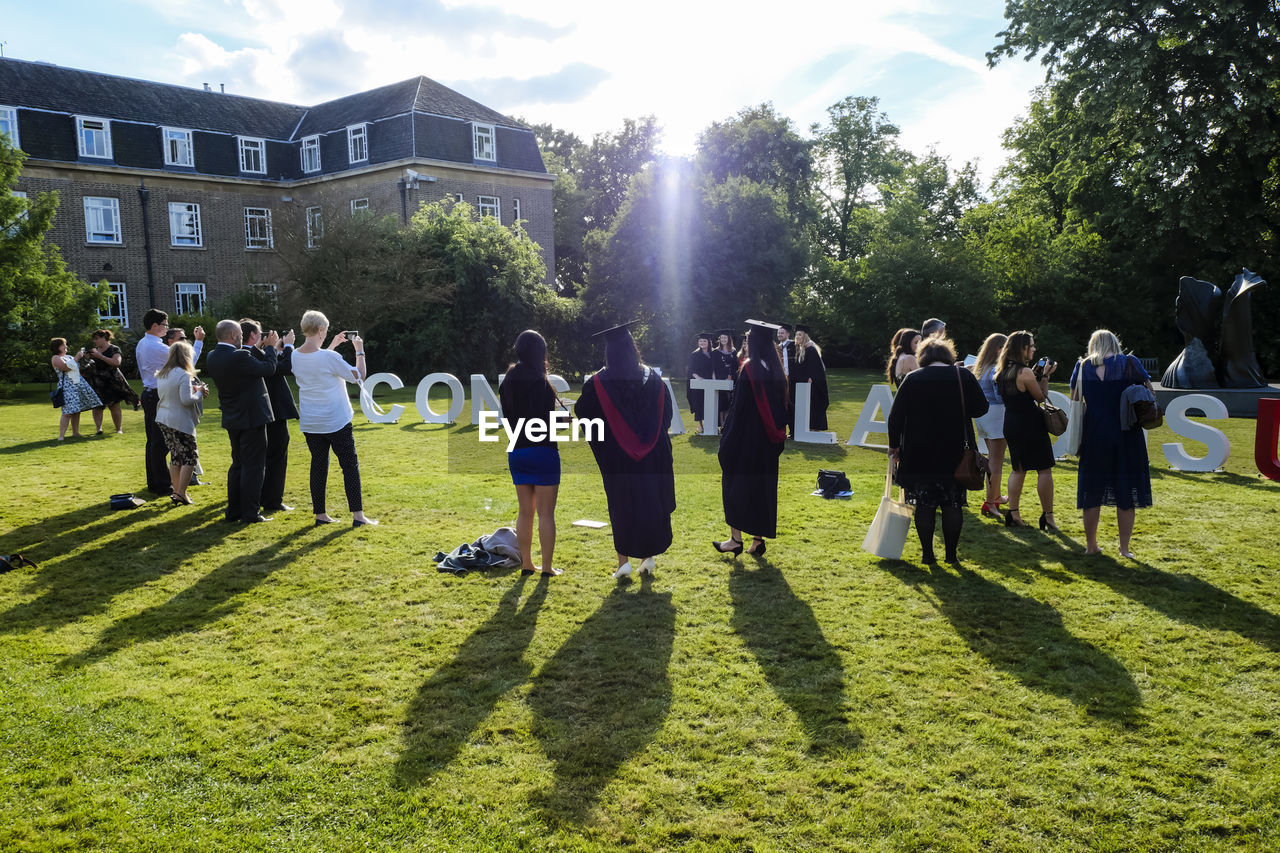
[1124,520]
[180,475]
[117,419]
[995,458]
[542,501]
[74,421]
[1044,488]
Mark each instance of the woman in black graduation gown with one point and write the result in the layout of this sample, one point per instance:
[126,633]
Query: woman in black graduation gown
[751,443]
[808,367]
[635,455]
[724,361]
[700,367]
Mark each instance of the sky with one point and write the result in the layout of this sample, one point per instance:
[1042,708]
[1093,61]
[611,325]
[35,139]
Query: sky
[581,65]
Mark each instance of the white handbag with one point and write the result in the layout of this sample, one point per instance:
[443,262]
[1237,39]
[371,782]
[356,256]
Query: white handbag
[1070,441]
[892,524]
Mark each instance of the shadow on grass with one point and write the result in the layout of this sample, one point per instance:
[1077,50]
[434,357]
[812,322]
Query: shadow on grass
[1217,478]
[461,694]
[37,445]
[48,538]
[603,696]
[1027,639]
[205,601]
[803,668]
[1184,598]
[76,588]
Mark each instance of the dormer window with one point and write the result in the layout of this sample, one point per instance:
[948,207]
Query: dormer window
[9,125]
[253,155]
[484,142]
[93,137]
[358,143]
[311,154]
[177,147]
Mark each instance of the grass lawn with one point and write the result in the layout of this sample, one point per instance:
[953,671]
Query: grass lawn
[173,682]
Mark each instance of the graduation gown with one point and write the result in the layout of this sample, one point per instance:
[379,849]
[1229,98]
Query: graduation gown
[750,444]
[699,363]
[634,458]
[811,368]
[724,366]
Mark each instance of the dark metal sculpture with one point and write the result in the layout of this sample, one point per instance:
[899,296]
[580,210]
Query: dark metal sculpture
[1198,306]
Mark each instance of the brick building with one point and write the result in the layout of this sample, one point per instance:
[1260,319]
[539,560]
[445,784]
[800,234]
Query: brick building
[178,196]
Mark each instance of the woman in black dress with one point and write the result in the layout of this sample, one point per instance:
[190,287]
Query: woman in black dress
[931,419]
[724,365]
[101,367]
[700,367]
[635,453]
[902,355]
[808,367]
[1030,449]
[750,444]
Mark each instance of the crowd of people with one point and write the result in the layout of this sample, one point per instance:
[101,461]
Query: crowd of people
[1005,391]
[931,425]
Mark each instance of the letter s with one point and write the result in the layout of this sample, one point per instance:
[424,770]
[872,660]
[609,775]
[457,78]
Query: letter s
[1176,417]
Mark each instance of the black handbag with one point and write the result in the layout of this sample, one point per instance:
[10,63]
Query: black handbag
[126,501]
[57,396]
[831,483]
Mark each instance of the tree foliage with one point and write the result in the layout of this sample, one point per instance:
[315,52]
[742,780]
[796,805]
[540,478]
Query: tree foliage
[39,298]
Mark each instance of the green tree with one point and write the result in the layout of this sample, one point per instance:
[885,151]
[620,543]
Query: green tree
[761,146]
[606,167]
[854,153]
[39,298]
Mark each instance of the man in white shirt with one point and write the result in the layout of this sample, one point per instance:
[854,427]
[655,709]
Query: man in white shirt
[151,354]
[787,346]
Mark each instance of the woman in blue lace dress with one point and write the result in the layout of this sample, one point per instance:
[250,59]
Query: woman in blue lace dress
[1113,462]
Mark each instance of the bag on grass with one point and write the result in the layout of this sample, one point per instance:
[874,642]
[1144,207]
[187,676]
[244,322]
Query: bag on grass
[126,501]
[889,529]
[831,483]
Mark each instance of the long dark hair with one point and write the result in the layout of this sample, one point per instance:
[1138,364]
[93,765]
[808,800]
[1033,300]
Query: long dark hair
[762,352]
[531,351]
[622,357]
[898,347]
[1011,361]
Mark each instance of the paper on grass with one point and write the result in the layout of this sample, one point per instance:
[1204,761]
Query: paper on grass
[819,493]
[594,525]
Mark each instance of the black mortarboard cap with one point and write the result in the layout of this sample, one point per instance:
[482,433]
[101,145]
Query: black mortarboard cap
[622,329]
[706,335]
[801,327]
[728,332]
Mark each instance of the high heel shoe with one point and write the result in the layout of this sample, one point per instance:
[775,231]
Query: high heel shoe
[753,550]
[1046,522]
[735,551]
[1010,521]
[991,510]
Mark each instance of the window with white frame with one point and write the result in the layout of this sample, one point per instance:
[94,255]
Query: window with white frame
[177,147]
[184,224]
[16,222]
[257,228]
[482,136]
[101,220]
[311,154]
[9,125]
[265,291]
[359,204]
[315,227]
[457,196]
[253,155]
[188,297]
[358,143]
[489,206]
[93,136]
[117,304]
[515,211]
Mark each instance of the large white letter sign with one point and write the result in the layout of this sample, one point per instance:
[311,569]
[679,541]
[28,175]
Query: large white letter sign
[677,422]
[1216,439]
[880,397]
[393,414]
[456,398]
[482,397]
[710,401]
[804,404]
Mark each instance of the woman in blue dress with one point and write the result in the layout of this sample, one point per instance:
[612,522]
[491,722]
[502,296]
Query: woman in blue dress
[1113,462]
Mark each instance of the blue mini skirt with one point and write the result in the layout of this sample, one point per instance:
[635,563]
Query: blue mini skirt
[534,466]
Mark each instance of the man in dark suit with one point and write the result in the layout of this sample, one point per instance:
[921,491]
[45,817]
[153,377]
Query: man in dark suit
[283,409]
[246,411]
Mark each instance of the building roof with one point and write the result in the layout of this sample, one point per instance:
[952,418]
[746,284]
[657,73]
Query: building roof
[40,85]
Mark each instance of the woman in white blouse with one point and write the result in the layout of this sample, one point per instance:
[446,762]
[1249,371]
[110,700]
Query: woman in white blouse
[325,412]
